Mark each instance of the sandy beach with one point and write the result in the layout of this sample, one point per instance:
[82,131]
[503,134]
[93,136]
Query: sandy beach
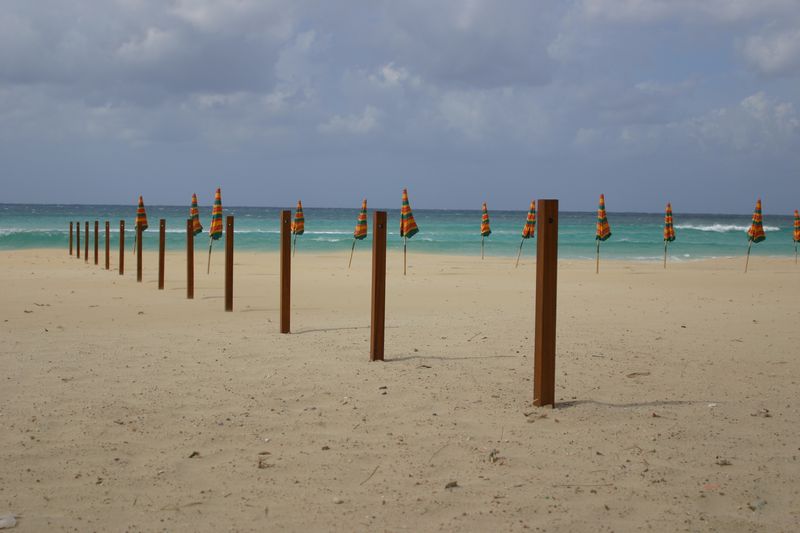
[125,408]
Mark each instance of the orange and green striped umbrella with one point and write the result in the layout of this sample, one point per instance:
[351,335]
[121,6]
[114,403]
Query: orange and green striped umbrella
[194,215]
[141,215]
[603,229]
[215,232]
[756,231]
[408,227]
[298,224]
[796,233]
[486,230]
[360,232]
[529,229]
[669,230]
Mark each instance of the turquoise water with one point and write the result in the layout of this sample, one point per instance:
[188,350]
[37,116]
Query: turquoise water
[635,236]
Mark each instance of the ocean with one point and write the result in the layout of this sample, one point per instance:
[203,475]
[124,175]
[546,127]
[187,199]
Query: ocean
[635,236]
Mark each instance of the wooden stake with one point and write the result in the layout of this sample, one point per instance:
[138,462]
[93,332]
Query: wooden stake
[70,238]
[747,261]
[108,244]
[162,234]
[139,252]
[78,235]
[121,247]
[544,366]
[353,249]
[229,263]
[286,269]
[189,259]
[86,243]
[378,309]
[96,241]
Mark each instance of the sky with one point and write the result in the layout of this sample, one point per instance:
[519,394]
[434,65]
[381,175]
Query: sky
[696,102]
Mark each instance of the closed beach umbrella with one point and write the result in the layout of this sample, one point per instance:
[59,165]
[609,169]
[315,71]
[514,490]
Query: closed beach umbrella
[360,233]
[529,229]
[408,227]
[141,220]
[215,232]
[194,215]
[796,233]
[669,231]
[485,229]
[299,224]
[756,232]
[603,229]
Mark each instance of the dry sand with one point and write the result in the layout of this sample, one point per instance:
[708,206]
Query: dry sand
[125,408]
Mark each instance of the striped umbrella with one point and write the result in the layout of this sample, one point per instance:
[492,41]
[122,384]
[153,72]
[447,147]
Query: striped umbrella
[529,229]
[485,229]
[141,220]
[299,224]
[669,230]
[194,215]
[603,229]
[796,233]
[756,232]
[360,233]
[215,232]
[408,227]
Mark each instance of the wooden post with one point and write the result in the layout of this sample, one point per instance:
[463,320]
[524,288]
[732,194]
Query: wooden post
[544,363]
[86,243]
[162,234]
[229,263]
[70,238]
[138,252]
[286,269]
[189,259]
[378,309]
[108,244]
[96,241]
[121,247]
[78,239]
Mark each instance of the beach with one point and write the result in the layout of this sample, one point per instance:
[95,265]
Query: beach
[126,408]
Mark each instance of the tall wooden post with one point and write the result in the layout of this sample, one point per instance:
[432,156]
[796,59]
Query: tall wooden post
[286,269]
[162,233]
[78,239]
[138,252]
[544,362]
[108,244]
[86,243]
[189,259]
[96,241]
[70,238]
[121,247]
[229,263]
[378,309]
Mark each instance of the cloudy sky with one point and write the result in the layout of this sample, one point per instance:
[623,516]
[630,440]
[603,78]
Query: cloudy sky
[693,101]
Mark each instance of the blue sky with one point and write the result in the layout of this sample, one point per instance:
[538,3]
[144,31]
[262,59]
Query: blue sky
[689,101]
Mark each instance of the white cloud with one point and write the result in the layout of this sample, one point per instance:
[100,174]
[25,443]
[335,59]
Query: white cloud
[352,124]
[775,53]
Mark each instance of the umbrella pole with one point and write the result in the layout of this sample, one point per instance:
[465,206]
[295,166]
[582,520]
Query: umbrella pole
[749,245]
[795,253]
[405,242]
[665,253]
[135,233]
[294,245]
[482,239]
[519,253]
[597,266]
[210,243]
[353,249]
